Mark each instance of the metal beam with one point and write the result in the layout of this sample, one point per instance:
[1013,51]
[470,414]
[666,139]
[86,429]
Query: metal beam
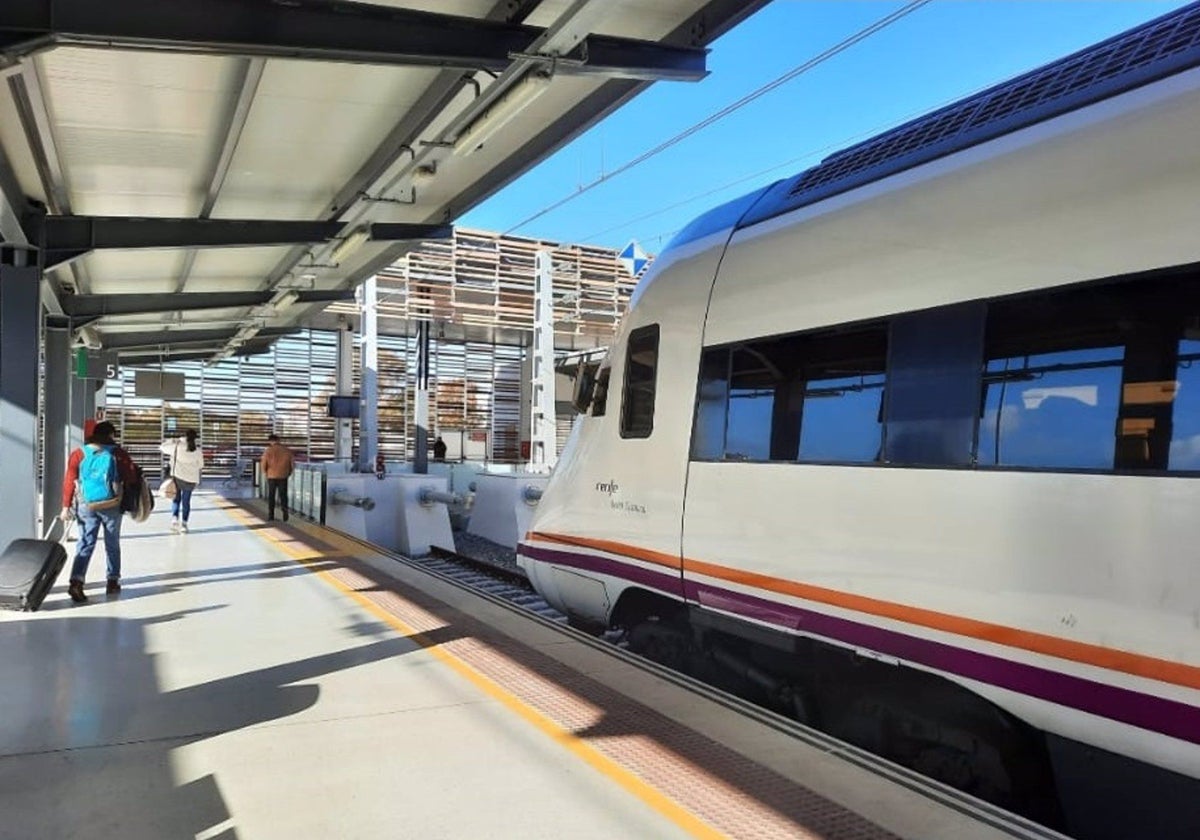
[322,30]
[703,27]
[192,354]
[177,338]
[34,114]
[249,75]
[98,306]
[65,238]
[408,232]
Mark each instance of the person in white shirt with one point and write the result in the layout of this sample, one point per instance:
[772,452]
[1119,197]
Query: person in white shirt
[187,461]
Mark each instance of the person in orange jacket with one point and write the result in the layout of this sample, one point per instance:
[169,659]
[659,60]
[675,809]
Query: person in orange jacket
[277,465]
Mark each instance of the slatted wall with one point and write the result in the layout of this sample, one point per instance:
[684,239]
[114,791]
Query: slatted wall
[236,403]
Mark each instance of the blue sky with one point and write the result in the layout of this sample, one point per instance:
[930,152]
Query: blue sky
[939,53]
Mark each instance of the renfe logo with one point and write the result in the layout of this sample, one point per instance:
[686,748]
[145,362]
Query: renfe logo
[608,487]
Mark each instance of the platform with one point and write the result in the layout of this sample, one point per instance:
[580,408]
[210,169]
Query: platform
[255,680]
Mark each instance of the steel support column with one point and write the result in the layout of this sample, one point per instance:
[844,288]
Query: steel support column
[368,420]
[20,323]
[56,405]
[343,443]
[421,408]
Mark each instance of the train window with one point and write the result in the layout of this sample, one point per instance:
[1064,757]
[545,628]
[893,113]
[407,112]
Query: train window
[1185,428]
[641,368]
[1052,409]
[933,385]
[753,381]
[600,397]
[841,417]
[708,433]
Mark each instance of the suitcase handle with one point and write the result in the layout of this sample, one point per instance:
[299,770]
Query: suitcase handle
[66,526]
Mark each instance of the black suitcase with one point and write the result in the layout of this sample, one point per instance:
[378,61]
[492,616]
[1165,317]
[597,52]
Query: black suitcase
[28,568]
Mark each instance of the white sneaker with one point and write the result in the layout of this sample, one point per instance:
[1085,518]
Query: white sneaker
[183,527]
[174,526]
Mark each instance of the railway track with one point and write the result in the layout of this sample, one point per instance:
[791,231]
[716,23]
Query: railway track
[495,578]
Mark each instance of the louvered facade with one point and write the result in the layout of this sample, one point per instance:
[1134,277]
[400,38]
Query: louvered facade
[480,280]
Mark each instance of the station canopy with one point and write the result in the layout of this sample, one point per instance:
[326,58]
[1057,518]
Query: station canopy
[198,177]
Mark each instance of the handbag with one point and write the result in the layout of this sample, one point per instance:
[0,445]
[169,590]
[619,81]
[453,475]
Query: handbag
[169,489]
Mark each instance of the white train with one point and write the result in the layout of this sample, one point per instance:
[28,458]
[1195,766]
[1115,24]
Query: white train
[909,445]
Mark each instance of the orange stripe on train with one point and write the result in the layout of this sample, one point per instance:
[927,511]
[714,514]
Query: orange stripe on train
[1163,670]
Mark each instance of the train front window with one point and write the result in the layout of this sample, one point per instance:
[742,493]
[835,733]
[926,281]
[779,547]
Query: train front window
[600,396]
[641,370]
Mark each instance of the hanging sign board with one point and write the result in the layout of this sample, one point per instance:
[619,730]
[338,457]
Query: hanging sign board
[96,364]
[163,386]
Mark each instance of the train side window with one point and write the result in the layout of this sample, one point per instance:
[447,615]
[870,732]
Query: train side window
[753,382]
[600,395]
[1052,409]
[841,418]
[641,369]
[1185,428]
[712,404]
[1095,377]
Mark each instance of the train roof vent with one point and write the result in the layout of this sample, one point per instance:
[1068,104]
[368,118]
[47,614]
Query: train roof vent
[1152,51]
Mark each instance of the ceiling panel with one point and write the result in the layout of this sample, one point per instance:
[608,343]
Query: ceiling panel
[315,118]
[131,272]
[135,130]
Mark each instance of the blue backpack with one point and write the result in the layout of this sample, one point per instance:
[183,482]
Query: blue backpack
[99,479]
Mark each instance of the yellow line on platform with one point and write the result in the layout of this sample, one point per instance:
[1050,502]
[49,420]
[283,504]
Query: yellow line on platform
[631,782]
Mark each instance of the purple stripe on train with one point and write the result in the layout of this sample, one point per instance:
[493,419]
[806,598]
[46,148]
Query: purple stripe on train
[1146,711]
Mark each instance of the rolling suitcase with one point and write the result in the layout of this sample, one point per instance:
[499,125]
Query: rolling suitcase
[28,568]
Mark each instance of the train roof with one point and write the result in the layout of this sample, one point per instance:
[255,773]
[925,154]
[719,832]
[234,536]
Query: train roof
[1156,49]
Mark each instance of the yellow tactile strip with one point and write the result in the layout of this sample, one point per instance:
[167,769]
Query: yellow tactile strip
[725,790]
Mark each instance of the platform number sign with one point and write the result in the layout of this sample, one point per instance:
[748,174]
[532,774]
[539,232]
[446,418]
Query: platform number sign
[96,364]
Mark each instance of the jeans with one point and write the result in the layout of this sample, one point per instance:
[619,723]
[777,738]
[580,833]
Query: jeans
[183,499]
[90,522]
[277,485]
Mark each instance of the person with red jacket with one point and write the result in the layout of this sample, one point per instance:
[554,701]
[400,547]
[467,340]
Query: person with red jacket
[90,521]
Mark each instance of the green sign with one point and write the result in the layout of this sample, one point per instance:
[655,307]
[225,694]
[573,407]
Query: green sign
[96,364]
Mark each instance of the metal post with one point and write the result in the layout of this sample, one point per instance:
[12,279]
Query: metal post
[56,407]
[20,323]
[543,449]
[368,423]
[421,409]
[343,444]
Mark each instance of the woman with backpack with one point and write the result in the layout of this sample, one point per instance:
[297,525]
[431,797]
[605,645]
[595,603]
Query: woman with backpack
[187,460]
[92,489]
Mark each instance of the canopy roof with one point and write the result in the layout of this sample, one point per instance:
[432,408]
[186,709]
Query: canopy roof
[202,175]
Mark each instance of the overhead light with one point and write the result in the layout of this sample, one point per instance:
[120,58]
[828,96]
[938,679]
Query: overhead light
[349,245]
[500,113]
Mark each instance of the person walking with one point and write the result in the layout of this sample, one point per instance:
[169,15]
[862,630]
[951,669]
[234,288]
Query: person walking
[187,462]
[439,449]
[96,474]
[277,466]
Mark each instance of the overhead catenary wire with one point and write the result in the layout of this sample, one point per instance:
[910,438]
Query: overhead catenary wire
[821,58]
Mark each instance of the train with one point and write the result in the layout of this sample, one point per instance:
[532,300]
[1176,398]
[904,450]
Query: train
[907,446]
